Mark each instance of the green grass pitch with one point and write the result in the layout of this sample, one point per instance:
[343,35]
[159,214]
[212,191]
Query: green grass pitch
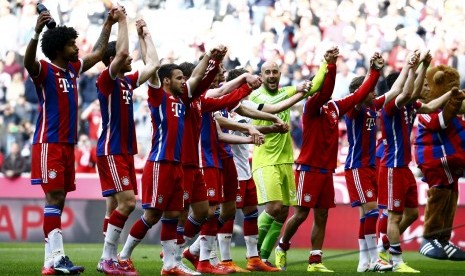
[27,259]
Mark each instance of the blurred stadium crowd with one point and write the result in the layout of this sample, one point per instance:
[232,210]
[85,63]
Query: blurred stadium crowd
[294,33]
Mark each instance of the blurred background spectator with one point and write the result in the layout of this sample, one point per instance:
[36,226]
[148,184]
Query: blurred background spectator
[14,164]
[294,33]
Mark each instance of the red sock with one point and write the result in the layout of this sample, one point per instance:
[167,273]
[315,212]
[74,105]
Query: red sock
[361,229]
[382,224]
[191,227]
[314,259]
[250,224]
[168,229]
[209,228]
[105,225]
[117,219]
[227,227]
[370,225]
[52,219]
[139,229]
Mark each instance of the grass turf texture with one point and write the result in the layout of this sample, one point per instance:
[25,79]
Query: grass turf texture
[27,259]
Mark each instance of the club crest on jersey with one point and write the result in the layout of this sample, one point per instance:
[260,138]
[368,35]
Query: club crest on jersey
[125,180]
[238,198]
[396,202]
[185,196]
[160,199]
[333,114]
[307,197]
[369,193]
[211,192]
[52,174]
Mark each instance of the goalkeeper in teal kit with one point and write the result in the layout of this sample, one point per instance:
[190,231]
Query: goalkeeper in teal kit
[272,162]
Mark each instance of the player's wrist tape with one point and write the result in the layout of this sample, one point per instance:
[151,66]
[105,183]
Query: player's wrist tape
[35,36]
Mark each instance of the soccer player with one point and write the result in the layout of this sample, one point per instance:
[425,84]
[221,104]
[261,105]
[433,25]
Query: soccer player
[272,162]
[117,143]
[360,170]
[56,127]
[314,180]
[397,190]
[440,156]
[246,193]
[162,189]
[195,192]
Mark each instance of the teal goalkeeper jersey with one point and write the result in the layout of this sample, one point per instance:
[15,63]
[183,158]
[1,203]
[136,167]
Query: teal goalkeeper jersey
[277,148]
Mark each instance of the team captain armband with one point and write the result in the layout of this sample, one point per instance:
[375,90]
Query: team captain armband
[260,106]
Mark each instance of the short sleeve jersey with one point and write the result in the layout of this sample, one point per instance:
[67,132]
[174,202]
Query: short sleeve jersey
[118,129]
[57,91]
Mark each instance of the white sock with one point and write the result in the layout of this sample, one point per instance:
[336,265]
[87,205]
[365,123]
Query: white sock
[110,246]
[224,242]
[169,252]
[364,257]
[380,243]
[48,259]
[206,243]
[396,259]
[213,253]
[370,241]
[251,245]
[178,253]
[128,247]
[195,247]
[55,239]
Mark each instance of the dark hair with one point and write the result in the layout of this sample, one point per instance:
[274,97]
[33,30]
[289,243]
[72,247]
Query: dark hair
[355,83]
[391,78]
[187,68]
[56,39]
[234,73]
[109,52]
[166,71]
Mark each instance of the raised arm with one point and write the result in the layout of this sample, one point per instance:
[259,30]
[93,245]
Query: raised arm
[122,42]
[30,62]
[228,87]
[287,103]
[396,88]
[149,54]
[217,55]
[425,60]
[407,89]
[101,44]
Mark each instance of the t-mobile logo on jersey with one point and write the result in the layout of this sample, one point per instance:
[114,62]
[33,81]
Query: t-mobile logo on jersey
[370,123]
[177,109]
[126,96]
[64,84]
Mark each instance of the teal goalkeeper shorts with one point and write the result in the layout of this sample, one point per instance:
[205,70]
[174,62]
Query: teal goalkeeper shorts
[275,183]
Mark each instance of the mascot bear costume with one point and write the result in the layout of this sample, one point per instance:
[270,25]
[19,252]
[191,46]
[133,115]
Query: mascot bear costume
[440,155]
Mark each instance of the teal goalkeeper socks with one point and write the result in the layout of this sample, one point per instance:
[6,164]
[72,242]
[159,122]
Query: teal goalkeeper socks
[270,239]
[264,223]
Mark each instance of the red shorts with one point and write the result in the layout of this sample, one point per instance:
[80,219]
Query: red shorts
[444,172]
[117,174]
[315,189]
[246,195]
[194,185]
[214,184]
[361,184]
[230,182]
[162,186]
[53,166]
[397,189]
